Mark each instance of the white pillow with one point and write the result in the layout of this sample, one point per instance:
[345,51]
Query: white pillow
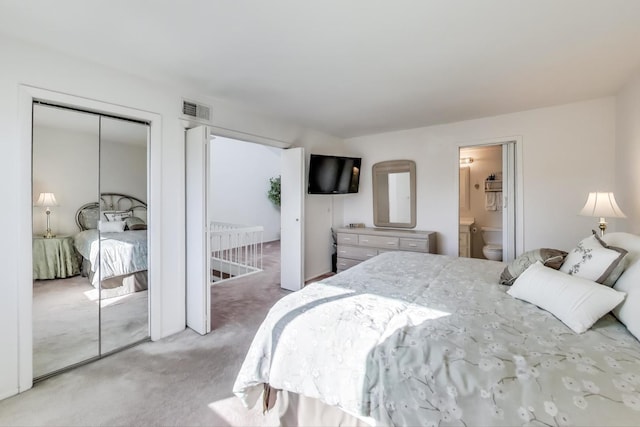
[629,282]
[577,302]
[111,226]
[593,259]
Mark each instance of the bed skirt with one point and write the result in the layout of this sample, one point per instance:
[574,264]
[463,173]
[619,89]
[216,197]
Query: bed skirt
[297,410]
[120,285]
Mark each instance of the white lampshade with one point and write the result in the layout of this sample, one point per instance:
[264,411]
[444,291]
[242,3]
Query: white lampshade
[47,200]
[602,205]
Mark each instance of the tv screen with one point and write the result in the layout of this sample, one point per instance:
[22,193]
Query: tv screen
[333,174]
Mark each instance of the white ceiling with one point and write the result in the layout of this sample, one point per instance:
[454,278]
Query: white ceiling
[354,67]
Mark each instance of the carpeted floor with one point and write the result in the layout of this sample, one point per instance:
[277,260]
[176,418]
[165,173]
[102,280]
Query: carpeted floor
[185,379]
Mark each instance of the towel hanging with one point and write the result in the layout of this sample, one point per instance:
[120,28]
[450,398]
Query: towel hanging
[490,201]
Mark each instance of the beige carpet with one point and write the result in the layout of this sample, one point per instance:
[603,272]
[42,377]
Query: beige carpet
[183,380]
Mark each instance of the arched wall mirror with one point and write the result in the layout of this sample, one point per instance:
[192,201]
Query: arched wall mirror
[394,194]
[90,290]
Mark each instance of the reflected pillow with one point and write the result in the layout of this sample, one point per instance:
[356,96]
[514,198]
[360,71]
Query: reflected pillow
[111,226]
[138,227]
[577,302]
[593,259]
[133,221]
[89,217]
[117,215]
[551,258]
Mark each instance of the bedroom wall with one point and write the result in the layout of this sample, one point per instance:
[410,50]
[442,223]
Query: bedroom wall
[25,63]
[240,173]
[628,155]
[567,151]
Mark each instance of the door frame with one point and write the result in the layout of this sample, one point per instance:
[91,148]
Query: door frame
[26,95]
[217,131]
[518,193]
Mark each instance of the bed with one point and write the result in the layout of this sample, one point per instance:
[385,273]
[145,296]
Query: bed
[420,339]
[115,261]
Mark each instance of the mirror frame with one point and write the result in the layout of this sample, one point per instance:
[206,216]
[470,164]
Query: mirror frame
[381,201]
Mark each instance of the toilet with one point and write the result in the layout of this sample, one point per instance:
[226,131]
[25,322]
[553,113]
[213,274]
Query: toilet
[492,248]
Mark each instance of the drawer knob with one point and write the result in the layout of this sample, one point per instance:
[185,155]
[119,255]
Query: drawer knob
[413,245]
[391,243]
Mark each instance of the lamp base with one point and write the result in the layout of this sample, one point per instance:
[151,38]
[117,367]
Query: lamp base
[48,235]
[602,226]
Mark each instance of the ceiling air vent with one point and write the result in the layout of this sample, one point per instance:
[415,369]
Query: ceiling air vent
[196,111]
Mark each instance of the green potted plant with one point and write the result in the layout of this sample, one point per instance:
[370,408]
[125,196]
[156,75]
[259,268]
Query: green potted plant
[274,190]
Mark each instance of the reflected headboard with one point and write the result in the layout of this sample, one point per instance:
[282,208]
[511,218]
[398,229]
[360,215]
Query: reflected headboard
[88,215]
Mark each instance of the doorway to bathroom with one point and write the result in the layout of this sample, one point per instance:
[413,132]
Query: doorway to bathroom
[487,201]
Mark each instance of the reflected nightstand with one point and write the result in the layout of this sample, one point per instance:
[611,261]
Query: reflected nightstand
[54,258]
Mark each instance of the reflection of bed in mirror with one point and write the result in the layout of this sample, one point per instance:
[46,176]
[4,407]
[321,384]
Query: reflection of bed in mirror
[113,243]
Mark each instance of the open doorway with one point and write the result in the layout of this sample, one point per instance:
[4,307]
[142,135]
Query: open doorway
[487,196]
[200,244]
[244,213]
[244,204]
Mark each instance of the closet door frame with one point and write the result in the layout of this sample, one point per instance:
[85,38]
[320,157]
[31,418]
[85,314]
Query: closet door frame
[27,95]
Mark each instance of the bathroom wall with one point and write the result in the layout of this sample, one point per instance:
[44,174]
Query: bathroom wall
[486,161]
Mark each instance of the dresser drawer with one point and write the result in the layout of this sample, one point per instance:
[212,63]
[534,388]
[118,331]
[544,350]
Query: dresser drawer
[378,241]
[344,263]
[347,239]
[356,252]
[416,245]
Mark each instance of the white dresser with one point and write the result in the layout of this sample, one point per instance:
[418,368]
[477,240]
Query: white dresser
[359,244]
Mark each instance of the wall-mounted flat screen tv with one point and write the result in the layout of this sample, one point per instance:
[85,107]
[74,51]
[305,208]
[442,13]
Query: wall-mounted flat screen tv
[333,174]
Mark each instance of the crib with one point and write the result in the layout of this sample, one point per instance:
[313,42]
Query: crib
[236,250]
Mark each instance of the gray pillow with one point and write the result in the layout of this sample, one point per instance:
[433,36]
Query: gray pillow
[552,258]
[133,221]
[88,218]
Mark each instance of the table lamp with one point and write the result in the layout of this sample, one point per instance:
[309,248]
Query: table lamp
[601,205]
[47,200]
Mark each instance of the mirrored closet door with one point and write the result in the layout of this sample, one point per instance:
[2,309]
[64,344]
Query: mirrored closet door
[90,285]
[123,194]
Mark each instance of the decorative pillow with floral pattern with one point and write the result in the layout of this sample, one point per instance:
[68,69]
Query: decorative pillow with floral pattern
[593,259]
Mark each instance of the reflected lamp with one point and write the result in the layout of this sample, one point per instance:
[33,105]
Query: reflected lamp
[47,200]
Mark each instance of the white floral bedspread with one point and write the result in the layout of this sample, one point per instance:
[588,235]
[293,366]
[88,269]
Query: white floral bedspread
[418,339]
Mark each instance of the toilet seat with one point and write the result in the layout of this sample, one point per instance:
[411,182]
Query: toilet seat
[493,247]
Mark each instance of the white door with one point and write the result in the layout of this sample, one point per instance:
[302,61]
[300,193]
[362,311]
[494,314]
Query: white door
[197,233]
[292,219]
[509,199]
